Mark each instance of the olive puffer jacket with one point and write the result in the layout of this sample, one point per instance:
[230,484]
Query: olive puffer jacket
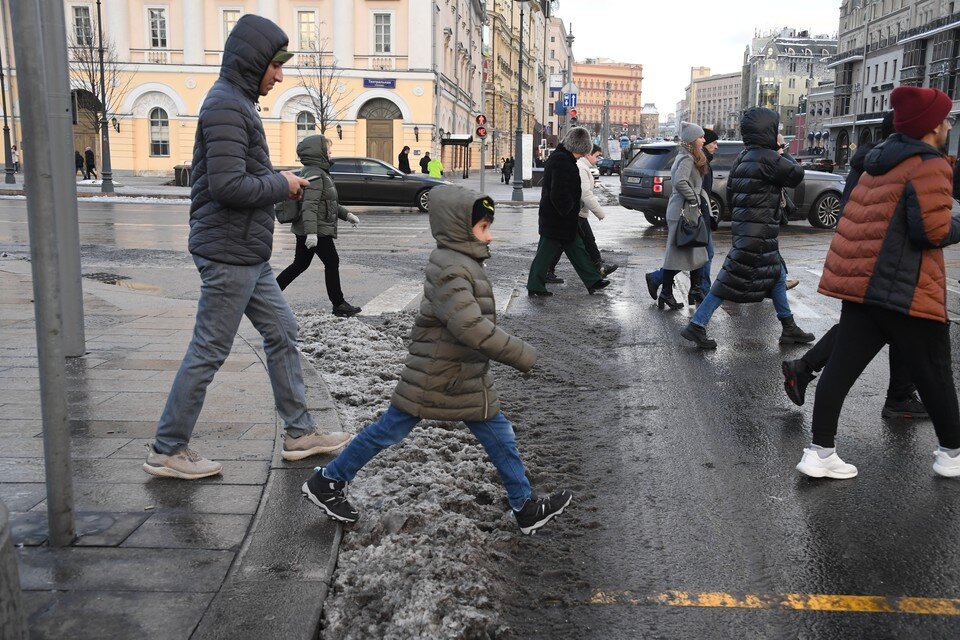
[320,208]
[755,183]
[234,184]
[447,373]
[888,248]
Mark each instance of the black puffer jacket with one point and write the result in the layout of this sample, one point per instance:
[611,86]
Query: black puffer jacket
[758,175]
[856,170]
[560,196]
[234,184]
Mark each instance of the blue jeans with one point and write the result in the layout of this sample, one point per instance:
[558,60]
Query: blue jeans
[704,270]
[496,436]
[227,293]
[779,294]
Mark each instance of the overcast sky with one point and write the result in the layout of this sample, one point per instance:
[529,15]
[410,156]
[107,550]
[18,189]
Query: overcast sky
[669,36]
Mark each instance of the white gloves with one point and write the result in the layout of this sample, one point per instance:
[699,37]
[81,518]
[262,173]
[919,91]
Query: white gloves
[600,215]
[311,241]
[352,219]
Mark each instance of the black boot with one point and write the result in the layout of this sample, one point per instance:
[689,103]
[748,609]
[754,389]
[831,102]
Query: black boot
[792,334]
[652,287]
[698,335]
[696,296]
[796,377]
[345,310]
[666,298]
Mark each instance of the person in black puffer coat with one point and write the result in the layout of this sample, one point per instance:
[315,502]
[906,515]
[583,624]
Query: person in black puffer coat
[754,269]
[231,238]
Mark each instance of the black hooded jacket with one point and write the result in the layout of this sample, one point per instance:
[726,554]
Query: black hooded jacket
[234,184]
[560,196]
[756,180]
[856,170]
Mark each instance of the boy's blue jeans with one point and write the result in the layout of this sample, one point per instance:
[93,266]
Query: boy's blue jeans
[496,436]
[779,294]
[704,270]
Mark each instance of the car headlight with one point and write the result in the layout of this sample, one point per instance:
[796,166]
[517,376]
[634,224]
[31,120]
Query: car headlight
[843,185]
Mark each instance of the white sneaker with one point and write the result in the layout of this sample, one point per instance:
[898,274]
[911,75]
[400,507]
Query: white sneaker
[811,464]
[945,465]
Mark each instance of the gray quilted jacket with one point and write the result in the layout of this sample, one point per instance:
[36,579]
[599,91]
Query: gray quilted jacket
[320,209]
[447,374]
[234,184]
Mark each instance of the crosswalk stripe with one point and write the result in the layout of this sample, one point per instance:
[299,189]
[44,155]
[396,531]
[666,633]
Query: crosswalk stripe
[396,298]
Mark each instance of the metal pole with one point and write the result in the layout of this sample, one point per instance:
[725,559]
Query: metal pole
[30,51]
[106,174]
[483,109]
[517,195]
[13,626]
[566,116]
[605,127]
[7,156]
[64,177]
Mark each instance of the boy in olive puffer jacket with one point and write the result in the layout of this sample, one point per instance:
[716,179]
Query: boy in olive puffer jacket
[447,373]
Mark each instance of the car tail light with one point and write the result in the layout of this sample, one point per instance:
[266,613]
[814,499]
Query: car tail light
[657,188]
[657,180]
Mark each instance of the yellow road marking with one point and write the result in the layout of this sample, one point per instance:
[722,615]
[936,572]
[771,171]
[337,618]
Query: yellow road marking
[784,602]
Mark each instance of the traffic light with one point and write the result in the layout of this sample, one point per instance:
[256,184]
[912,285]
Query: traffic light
[481,120]
[573,116]
[481,132]
[481,126]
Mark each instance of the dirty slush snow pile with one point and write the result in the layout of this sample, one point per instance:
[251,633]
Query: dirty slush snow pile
[426,558]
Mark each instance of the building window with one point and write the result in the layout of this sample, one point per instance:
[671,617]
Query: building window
[230,17]
[157,21]
[382,33]
[159,133]
[82,27]
[307,28]
[306,125]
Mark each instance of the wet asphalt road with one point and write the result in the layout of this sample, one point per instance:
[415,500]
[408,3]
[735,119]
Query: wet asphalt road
[682,461]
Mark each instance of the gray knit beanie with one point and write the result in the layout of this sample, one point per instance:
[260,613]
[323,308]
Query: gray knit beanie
[690,132]
[578,140]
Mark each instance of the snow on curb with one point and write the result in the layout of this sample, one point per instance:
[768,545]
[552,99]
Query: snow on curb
[116,199]
[426,558]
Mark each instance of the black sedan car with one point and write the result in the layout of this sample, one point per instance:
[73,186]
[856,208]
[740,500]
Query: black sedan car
[368,181]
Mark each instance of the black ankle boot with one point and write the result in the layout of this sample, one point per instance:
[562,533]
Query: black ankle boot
[792,334]
[666,299]
[695,297]
[698,335]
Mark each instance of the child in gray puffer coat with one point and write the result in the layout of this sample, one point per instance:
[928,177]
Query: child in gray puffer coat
[447,373]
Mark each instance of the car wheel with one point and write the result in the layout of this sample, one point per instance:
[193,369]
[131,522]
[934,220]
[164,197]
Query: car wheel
[825,212]
[655,219]
[716,207]
[423,200]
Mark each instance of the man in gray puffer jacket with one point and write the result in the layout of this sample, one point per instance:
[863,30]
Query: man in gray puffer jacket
[447,374]
[231,238]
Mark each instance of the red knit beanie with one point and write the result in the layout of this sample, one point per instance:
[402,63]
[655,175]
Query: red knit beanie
[918,111]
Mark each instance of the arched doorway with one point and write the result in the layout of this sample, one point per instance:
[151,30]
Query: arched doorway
[380,114]
[86,128]
[865,137]
[843,141]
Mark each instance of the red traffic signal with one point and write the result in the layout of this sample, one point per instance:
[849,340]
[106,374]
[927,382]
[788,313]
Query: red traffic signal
[573,113]
[481,132]
[481,121]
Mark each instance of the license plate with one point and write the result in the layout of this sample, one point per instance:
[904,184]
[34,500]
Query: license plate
[633,180]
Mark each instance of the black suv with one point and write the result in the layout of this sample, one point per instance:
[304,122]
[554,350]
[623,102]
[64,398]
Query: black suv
[645,186]
[608,166]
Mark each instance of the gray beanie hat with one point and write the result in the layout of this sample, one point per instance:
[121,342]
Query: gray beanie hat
[578,140]
[690,132]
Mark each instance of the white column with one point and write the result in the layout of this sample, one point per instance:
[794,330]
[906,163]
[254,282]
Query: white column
[118,26]
[420,48]
[343,30]
[265,8]
[193,33]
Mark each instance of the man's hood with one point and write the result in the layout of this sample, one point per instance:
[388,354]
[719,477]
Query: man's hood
[313,152]
[247,53]
[759,128]
[451,210]
[894,150]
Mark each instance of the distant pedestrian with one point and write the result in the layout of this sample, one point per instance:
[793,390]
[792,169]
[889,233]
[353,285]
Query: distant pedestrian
[403,161]
[435,168]
[425,164]
[15,159]
[559,217]
[886,264]
[687,175]
[447,374]
[90,163]
[78,164]
[754,269]
[502,167]
[316,229]
[232,203]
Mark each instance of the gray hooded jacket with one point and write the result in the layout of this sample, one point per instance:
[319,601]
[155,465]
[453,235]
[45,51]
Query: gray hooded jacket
[320,209]
[447,374]
[234,184]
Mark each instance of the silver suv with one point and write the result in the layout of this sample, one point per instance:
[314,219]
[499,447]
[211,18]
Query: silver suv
[645,186]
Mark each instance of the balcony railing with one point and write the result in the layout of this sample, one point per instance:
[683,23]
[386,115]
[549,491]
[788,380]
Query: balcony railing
[847,56]
[156,56]
[842,90]
[381,62]
[912,73]
[876,115]
[930,27]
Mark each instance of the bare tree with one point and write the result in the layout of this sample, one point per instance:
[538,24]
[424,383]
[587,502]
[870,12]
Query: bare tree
[320,77]
[85,73]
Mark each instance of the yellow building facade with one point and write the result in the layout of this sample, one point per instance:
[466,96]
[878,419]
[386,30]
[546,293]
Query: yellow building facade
[396,72]
[625,82]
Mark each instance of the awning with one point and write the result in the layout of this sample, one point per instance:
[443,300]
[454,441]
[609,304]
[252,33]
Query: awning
[457,140]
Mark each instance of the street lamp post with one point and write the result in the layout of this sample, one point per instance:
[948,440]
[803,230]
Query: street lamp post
[7,156]
[106,174]
[517,195]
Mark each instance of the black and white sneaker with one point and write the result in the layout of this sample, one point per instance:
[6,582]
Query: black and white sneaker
[329,496]
[537,512]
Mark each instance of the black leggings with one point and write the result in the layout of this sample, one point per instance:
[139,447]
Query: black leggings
[696,277]
[327,252]
[900,387]
[589,242]
[925,348]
